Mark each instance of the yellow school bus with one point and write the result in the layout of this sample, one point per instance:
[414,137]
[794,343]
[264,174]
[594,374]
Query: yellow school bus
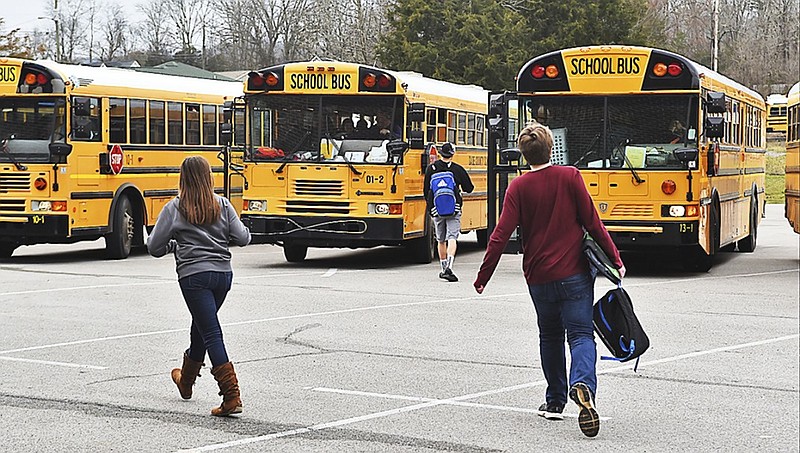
[793,159]
[92,152]
[776,113]
[672,152]
[336,154]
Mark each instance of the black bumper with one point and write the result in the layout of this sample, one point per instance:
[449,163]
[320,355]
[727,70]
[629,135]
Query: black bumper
[324,231]
[678,234]
[37,228]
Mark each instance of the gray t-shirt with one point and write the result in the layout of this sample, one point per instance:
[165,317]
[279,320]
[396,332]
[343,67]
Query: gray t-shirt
[197,248]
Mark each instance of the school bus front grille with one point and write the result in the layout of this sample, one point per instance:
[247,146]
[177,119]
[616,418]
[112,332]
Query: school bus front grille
[15,182]
[321,188]
[12,205]
[317,207]
[633,210]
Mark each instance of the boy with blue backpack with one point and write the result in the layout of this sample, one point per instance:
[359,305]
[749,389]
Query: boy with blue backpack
[444,182]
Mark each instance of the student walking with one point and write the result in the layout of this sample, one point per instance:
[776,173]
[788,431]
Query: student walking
[197,227]
[553,208]
[451,180]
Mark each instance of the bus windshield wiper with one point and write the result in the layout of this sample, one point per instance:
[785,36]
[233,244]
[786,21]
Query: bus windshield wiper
[335,147]
[636,176]
[288,157]
[4,148]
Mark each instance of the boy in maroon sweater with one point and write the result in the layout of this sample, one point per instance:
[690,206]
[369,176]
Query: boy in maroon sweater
[553,208]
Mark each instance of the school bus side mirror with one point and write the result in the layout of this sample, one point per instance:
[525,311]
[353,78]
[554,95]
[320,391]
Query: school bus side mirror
[396,150]
[417,139]
[686,156]
[226,132]
[416,112]
[715,102]
[510,155]
[715,127]
[60,149]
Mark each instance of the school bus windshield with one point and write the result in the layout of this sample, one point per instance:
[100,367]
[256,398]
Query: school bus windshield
[617,131]
[30,125]
[324,128]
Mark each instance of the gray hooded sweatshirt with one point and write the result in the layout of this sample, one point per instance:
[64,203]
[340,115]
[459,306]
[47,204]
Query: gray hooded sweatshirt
[197,248]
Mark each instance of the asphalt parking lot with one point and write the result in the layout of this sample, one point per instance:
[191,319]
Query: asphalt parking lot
[358,351]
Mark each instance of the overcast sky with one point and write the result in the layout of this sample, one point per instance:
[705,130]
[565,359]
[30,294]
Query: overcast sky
[23,14]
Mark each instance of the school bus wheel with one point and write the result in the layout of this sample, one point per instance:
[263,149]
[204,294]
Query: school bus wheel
[7,248]
[120,239]
[295,253]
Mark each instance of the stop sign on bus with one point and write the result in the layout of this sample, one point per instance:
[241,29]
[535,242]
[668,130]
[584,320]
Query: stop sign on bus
[115,159]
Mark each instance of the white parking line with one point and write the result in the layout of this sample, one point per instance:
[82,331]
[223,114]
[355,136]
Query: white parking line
[421,399]
[48,362]
[426,404]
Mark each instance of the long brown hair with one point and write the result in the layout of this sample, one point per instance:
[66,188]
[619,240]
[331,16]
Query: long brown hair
[535,142]
[196,192]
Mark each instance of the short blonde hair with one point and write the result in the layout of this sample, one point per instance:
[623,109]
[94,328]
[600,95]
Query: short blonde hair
[535,142]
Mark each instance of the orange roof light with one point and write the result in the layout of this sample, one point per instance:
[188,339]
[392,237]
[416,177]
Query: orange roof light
[30,78]
[660,69]
[551,71]
[271,78]
[370,80]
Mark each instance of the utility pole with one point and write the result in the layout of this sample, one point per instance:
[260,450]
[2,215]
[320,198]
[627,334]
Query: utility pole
[715,44]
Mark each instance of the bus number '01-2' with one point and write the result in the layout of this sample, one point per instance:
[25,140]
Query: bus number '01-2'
[372,179]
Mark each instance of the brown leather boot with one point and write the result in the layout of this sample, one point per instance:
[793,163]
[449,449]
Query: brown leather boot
[185,376]
[229,389]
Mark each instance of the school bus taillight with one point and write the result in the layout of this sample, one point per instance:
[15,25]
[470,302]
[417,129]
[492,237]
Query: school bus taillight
[538,72]
[668,187]
[551,71]
[659,69]
[674,70]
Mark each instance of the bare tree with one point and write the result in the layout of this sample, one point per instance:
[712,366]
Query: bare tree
[114,31]
[154,30]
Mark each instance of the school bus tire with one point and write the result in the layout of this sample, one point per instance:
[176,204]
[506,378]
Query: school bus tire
[483,237]
[120,240]
[7,248]
[295,253]
[421,249]
[748,244]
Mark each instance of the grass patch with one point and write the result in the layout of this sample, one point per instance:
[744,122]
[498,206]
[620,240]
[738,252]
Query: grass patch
[776,172]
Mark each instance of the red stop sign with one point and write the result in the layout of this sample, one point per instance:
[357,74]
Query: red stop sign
[115,159]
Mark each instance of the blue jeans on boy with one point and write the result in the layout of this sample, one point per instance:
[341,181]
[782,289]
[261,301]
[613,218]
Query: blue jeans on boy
[566,305]
[204,294]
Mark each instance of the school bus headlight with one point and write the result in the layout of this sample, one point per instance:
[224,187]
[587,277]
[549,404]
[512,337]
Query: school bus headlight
[385,208]
[257,205]
[37,205]
[659,69]
[677,211]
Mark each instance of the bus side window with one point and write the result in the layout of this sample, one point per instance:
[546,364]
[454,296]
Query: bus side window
[85,119]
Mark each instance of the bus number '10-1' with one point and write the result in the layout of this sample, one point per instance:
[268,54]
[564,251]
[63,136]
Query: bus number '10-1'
[372,179]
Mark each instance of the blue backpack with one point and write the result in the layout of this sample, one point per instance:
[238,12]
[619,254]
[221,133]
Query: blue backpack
[443,189]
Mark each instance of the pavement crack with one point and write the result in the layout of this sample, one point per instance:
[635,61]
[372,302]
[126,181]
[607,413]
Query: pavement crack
[619,374]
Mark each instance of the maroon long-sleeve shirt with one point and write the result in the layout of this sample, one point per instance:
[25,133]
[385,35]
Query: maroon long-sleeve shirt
[552,207]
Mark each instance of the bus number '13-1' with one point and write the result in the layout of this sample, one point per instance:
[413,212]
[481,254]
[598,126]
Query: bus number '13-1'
[372,179]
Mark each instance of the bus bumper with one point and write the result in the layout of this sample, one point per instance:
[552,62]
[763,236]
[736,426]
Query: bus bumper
[33,228]
[653,235]
[324,231]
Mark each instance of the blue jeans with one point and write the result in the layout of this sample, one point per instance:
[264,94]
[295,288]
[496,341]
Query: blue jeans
[566,305]
[204,294]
